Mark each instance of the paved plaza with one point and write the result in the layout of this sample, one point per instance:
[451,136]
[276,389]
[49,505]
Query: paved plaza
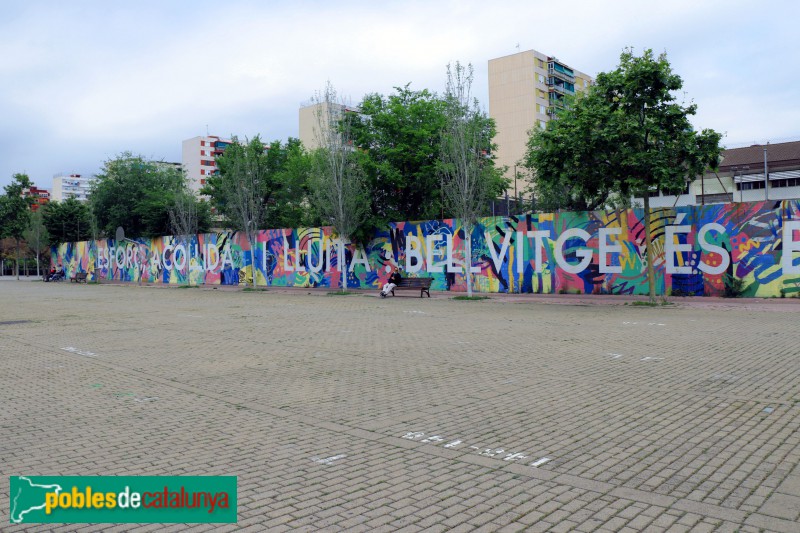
[361,414]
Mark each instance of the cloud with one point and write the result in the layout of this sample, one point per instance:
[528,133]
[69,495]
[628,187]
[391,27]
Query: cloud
[92,79]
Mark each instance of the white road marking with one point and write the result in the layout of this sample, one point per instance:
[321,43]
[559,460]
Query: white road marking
[328,460]
[72,349]
[540,462]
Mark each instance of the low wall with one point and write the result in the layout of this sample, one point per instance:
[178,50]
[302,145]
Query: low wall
[598,252]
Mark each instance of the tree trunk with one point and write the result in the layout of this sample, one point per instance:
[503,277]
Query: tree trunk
[344,272]
[468,262]
[651,272]
[16,262]
[253,258]
[187,245]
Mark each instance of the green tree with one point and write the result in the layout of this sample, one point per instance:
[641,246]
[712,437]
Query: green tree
[468,175]
[37,237]
[568,160]
[15,212]
[339,192]
[283,186]
[400,151]
[398,141]
[242,190]
[633,137]
[67,221]
[136,194]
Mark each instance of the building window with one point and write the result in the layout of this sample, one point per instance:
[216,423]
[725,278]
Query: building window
[540,63]
[775,184]
[202,143]
[750,185]
[540,93]
[202,172]
[540,78]
[202,152]
[202,182]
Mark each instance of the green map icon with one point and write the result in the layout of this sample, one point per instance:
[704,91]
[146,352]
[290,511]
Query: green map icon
[28,498]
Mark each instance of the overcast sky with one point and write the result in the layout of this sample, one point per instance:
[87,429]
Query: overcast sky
[82,81]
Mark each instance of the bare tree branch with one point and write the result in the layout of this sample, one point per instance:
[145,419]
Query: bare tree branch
[338,181]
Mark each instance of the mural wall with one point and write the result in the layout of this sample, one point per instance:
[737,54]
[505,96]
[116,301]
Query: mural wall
[598,252]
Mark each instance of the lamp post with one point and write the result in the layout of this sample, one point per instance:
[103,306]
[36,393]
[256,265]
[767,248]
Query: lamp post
[766,176]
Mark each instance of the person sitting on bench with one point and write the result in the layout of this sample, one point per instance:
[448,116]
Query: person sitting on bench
[394,279]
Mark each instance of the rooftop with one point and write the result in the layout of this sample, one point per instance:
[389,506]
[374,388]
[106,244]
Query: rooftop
[778,155]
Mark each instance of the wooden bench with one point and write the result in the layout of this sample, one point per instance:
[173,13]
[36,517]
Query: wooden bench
[78,277]
[423,285]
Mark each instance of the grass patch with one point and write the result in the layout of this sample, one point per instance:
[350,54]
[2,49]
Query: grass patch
[470,297]
[341,293]
[642,303]
[189,286]
[257,289]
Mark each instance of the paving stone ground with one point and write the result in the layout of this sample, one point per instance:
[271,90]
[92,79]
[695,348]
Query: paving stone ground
[405,414]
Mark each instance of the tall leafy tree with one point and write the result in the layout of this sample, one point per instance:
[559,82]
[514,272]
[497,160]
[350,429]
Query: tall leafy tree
[67,221]
[283,187]
[631,137]
[136,194]
[468,176]
[569,160]
[15,212]
[242,189]
[398,141]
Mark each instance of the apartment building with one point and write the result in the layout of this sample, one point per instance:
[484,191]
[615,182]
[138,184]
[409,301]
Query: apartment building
[526,90]
[198,158]
[70,186]
[40,196]
[312,116]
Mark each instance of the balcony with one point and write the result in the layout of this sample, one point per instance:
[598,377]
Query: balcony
[560,86]
[560,71]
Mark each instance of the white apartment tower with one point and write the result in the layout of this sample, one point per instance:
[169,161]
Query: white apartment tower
[198,159]
[70,186]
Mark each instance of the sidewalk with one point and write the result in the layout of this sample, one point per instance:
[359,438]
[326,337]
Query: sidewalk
[702,302]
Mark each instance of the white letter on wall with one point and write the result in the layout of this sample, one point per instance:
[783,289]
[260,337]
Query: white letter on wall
[726,257]
[583,253]
[430,241]
[497,260]
[606,248]
[672,248]
[537,244]
[790,246]
[414,252]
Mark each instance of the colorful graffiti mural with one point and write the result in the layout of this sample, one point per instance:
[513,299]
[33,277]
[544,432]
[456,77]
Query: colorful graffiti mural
[697,249]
